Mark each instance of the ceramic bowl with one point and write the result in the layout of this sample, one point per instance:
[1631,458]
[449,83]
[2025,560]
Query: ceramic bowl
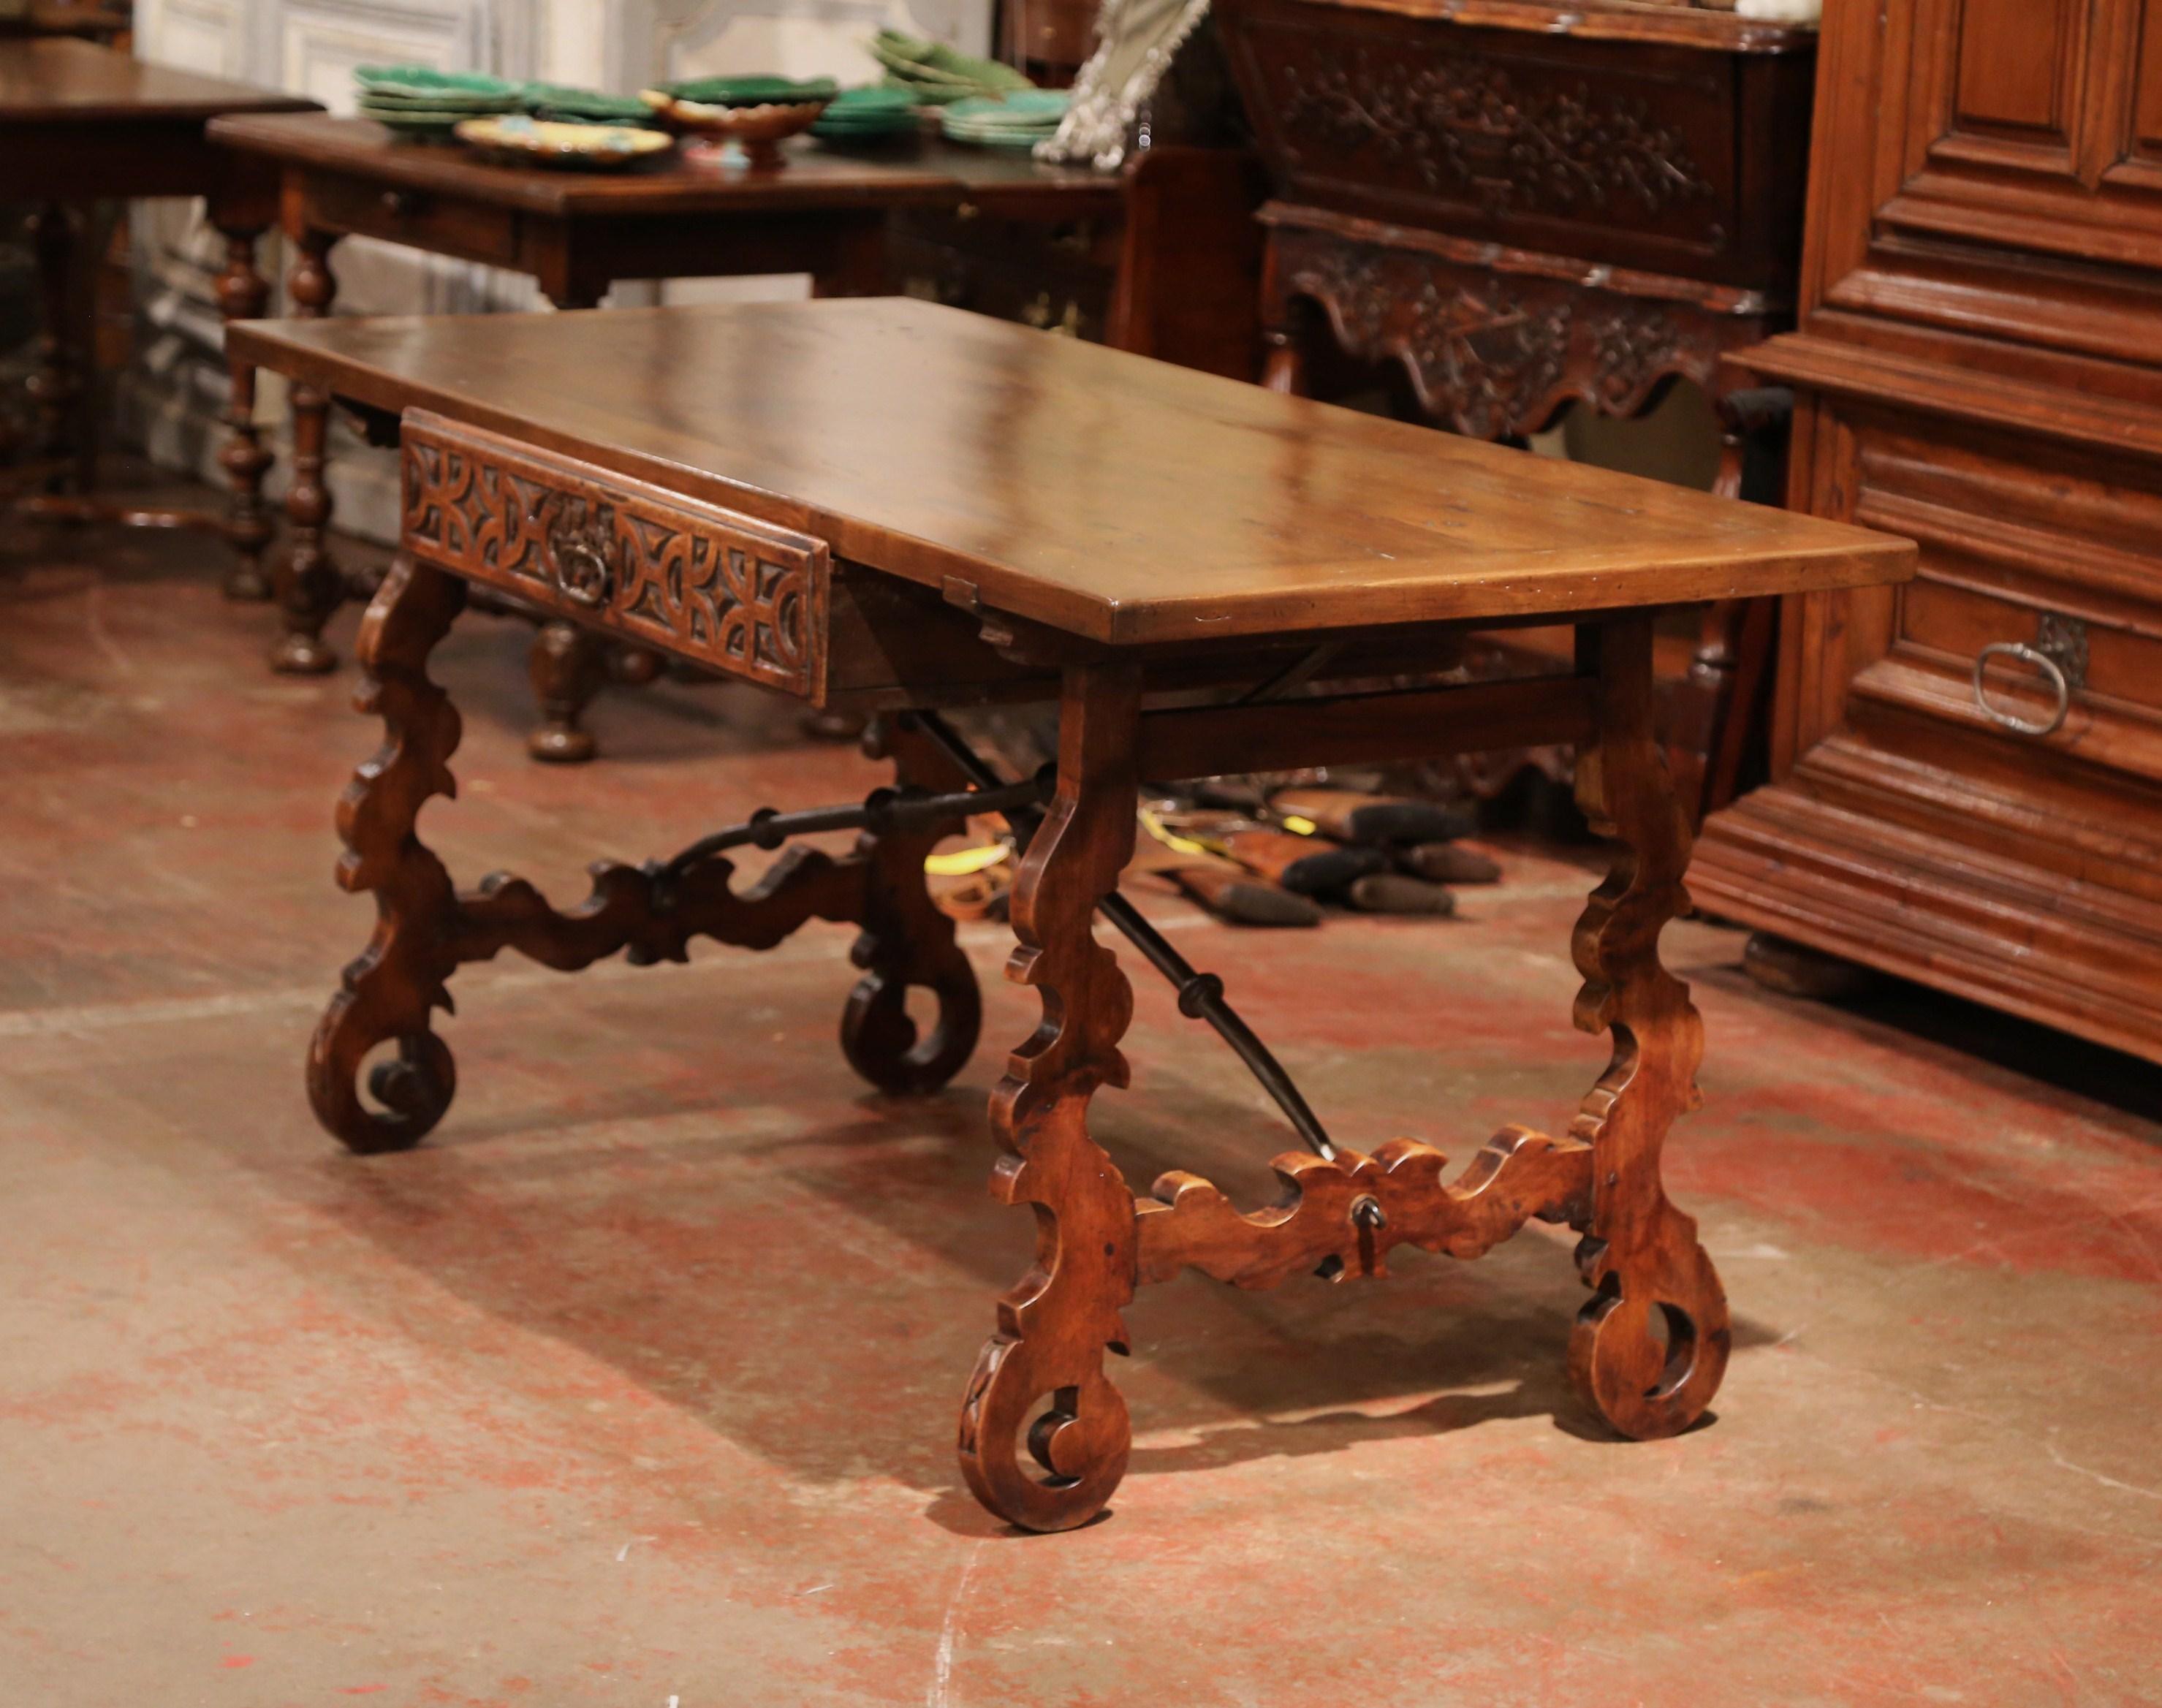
[759,130]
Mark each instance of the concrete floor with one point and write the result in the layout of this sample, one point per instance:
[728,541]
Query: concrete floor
[637,1384]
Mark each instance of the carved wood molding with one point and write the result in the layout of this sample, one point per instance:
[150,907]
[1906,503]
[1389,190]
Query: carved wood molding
[1492,354]
[727,589]
[1469,126]
[1517,1175]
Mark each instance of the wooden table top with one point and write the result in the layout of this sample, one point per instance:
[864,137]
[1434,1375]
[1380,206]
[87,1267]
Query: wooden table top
[815,176]
[1106,494]
[61,81]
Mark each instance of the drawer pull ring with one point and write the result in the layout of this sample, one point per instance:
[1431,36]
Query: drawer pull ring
[584,554]
[2060,683]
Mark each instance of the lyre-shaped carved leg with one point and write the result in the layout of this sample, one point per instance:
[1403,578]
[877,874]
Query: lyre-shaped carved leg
[392,990]
[1649,1352]
[906,942]
[1055,1325]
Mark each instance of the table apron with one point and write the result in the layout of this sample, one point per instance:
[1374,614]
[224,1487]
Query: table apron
[576,256]
[726,591]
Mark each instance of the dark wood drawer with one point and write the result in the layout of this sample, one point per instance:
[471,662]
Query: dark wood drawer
[704,583]
[422,219]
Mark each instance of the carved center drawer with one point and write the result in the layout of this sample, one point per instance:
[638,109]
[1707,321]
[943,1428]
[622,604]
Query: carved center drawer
[672,573]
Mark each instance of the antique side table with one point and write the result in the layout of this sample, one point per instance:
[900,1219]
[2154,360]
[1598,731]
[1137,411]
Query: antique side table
[1532,203]
[825,213]
[79,124]
[901,508]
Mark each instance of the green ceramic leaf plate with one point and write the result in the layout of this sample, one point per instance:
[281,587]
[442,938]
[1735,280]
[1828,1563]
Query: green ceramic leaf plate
[950,64]
[427,80]
[564,104]
[750,92]
[433,124]
[871,97]
[467,105]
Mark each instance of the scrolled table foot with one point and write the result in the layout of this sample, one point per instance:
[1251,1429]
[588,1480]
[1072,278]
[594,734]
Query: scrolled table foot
[884,1044]
[1648,1352]
[1078,1443]
[392,990]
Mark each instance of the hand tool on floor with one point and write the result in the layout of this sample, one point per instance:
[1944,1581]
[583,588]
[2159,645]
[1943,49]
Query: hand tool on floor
[1447,863]
[1232,894]
[1353,816]
[1225,889]
[1392,892]
[1305,865]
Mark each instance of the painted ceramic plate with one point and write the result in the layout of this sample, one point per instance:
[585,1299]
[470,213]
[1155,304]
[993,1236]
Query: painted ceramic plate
[577,148]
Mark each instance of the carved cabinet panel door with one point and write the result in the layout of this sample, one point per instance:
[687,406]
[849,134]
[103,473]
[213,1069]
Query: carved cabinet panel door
[2032,126]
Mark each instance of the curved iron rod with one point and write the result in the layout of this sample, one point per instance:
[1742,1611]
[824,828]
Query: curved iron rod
[1200,995]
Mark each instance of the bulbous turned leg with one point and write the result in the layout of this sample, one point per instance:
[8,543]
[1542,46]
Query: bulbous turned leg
[392,990]
[567,666]
[309,587]
[1039,1383]
[907,943]
[242,294]
[1649,1351]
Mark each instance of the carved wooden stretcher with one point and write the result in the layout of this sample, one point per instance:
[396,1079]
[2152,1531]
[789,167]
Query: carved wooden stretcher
[898,508]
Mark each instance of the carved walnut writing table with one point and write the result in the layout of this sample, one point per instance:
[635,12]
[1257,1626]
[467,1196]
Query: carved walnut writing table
[900,507]
[575,235]
[81,123]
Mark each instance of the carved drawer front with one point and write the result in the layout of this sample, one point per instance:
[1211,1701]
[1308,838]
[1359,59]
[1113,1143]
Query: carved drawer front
[1613,151]
[2035,617]
[672,573]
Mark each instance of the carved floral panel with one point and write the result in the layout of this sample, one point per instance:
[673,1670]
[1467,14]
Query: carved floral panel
[1492,354]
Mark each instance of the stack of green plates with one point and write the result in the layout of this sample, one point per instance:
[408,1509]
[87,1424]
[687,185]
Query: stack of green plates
[557,103]
[1019,120]
[935,73]
[421,101]
[867,115]
[750,91]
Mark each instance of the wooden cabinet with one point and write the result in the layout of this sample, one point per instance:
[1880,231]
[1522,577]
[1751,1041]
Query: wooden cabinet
[1967,771]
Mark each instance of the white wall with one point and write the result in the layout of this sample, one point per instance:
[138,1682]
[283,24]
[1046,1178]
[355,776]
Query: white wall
[171,399]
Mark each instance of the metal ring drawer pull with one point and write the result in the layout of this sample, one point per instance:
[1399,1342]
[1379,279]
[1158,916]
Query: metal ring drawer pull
[2060,682]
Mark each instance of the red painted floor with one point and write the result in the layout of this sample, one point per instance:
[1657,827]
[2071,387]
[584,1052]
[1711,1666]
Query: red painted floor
[637,1384]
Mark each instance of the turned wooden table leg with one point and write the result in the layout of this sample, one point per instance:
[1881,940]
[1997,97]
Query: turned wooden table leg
[242,294]
[1283,364]
[1283,360]
[567,664]
[56,383]
[309,588]
[1649,1352]
[1039,1385]
[391,992]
